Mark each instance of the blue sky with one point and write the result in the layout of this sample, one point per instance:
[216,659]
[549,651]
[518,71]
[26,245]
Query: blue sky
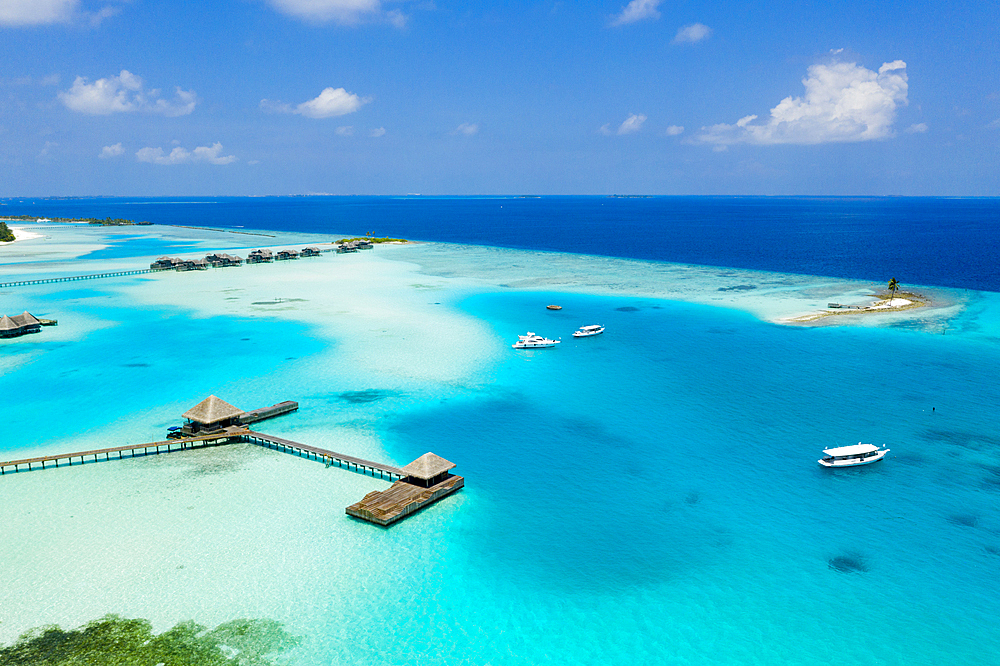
[251,97]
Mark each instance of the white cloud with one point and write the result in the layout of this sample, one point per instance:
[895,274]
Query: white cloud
[690,34]
[631,125]
[995,124]
[111,151]
[330,103]
[36,12]
[344,12]
[377,132]
[843,102]
[674,130]
[124,94]
[637,10]
[183,156]
[467,129]
[917,128]
[347,130]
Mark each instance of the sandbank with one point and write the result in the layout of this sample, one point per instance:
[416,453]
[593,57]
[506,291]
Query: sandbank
[21,234]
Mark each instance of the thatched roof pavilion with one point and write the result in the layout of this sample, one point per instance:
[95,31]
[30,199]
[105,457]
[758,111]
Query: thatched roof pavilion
[212,413]
[427,470]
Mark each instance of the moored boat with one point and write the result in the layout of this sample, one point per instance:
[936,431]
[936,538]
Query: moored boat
[533,341]
[553,307]
[587,331]
[851,456]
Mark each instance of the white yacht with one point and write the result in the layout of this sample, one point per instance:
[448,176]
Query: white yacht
[587,331]
[849,456]
[533,341]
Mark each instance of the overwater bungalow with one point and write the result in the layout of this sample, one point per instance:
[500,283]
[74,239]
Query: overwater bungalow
[260,257]
[310,251]
[222,260]
[427,480]
[284,255]
[365,245]
[18,325]
[347,247]
[163,264]
[210,415]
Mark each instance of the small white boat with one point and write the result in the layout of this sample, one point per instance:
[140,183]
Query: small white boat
[533,341]
[587,331]
[850,456]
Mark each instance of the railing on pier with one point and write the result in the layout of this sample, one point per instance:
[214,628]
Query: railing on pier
[323,455]
[150,448]
[232,434]
[73,278]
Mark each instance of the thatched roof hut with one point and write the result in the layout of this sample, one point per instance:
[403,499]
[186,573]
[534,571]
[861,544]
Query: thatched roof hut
[212,410]
[427,470]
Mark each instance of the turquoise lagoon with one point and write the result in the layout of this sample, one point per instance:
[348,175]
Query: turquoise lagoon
[647,496]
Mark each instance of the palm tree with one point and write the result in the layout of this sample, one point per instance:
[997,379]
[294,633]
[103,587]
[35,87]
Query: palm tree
[893,286]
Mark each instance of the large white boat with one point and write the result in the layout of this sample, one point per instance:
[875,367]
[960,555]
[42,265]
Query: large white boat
[533,341]
[850,456]
[587,331]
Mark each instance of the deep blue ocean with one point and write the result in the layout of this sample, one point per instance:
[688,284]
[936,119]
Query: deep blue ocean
[918,240]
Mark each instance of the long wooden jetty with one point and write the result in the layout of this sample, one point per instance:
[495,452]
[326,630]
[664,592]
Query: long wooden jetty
[148,448]
[73,278]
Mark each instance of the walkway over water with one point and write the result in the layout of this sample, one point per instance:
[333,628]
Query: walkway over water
[228,436]
[73,278]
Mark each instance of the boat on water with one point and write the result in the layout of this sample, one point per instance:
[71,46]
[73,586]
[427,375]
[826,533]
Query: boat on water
[533,341]
[851,456]
[587,331]
[553,307]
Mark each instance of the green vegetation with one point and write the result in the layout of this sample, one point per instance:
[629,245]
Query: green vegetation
[893,286]
[106,222]
[6,235]
[371,239]
[124,642]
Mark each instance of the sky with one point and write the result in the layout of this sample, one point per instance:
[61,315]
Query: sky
[274,97]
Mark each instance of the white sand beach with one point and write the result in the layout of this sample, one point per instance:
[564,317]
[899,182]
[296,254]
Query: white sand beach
[21,234]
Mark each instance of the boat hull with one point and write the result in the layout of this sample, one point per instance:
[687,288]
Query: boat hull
[853,462]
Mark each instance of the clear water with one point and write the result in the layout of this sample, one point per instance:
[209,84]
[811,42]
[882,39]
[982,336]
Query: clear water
[646,496]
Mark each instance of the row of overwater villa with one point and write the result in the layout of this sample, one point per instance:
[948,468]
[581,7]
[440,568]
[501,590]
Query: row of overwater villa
[223,260]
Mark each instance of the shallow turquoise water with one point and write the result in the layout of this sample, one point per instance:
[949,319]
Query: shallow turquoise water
[646,496]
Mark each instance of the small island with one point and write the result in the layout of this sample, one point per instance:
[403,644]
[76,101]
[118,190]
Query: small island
[892,300]
[369,239]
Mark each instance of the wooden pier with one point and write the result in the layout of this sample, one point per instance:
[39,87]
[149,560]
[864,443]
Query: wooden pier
[322,455]
[134,451]
[74,278]
[216,422]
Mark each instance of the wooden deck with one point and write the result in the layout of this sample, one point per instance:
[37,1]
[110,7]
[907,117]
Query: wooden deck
[385,507]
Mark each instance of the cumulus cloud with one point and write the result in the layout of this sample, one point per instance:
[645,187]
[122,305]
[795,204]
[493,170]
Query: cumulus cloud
[377,132]
[637,10]
[843,102]
[330,103]
[631,125]
[36,12]
[109,152]
[124,94]
[466,129]
[917,128]
[674,130]
[690,34]
[180,155]
[344,12]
